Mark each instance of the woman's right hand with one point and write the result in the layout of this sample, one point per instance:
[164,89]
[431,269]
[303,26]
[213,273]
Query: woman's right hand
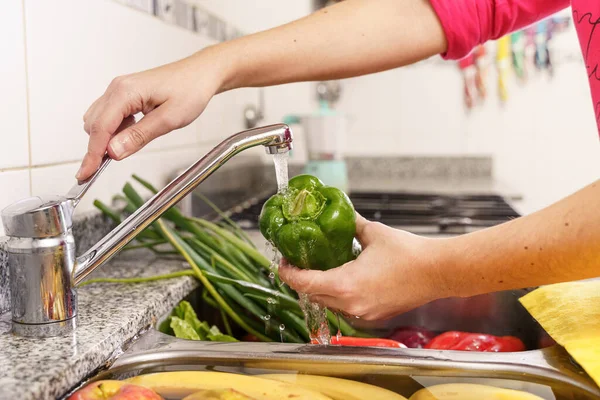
[170,97]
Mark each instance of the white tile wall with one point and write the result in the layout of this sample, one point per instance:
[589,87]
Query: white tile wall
[544,141]
[156,167]
[75,49]
[13,101]
[224,115]
[251,17]
[254,16]
[14,185]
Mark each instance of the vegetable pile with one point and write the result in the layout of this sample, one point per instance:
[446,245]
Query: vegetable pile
[242,284]
[420,338]
[236,278]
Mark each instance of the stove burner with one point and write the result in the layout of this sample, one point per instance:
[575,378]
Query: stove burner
[412,211]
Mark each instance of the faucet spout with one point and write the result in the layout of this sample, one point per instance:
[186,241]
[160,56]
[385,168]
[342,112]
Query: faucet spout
[276,139]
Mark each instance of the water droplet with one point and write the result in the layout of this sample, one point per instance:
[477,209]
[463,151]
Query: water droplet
[281,329]
[271,300]
[272,275]
[266,317]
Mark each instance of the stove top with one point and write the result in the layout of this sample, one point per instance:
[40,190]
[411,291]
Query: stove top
[413,212]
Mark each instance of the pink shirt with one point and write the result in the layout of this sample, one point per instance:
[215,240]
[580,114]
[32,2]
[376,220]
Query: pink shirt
[468,23]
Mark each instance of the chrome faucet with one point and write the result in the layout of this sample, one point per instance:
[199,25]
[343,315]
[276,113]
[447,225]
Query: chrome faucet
[41,248]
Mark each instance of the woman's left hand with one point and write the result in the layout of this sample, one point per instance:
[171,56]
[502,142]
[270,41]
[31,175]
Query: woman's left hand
[396,272]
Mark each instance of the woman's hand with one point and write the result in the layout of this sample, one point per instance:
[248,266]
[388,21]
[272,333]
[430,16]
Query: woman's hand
[170,97]
[174,95]
[397,271]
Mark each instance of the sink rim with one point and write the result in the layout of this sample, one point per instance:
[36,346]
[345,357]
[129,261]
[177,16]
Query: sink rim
[545,366]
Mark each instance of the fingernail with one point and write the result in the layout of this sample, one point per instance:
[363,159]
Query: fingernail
[118,148]
[78,174]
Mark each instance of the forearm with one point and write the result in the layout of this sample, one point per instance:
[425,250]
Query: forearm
[352,38]
[557,244]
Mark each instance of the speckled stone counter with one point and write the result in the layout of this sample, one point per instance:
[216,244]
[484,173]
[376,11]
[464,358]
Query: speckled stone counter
[109,315]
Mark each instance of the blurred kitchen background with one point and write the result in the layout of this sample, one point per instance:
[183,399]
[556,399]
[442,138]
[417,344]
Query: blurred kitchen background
[538,138]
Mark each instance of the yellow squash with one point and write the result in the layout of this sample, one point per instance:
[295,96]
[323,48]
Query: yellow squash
[469,391]
[337,389]
[570,313]
[184,383]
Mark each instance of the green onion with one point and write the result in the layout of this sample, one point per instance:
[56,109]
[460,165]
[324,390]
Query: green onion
[232,272]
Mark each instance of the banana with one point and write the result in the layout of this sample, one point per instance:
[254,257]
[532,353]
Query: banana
[468,391]
[219,394]
[184,383]
[337,389]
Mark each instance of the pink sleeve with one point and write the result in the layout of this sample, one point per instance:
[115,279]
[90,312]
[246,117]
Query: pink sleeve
[468,23]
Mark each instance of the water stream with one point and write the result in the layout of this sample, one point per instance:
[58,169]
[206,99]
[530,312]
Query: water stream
[281,170]
[316,320]
[315,316]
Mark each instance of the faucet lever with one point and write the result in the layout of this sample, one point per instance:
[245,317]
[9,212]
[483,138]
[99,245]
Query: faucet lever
[81,187]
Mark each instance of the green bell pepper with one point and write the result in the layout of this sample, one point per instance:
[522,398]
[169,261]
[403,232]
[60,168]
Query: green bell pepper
[312,225]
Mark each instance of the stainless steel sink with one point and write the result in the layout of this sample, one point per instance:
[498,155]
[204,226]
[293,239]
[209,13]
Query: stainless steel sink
[549,372]
[545,369]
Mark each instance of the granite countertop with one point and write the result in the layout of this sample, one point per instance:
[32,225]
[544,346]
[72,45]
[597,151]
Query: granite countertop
[112,314]
[109,315]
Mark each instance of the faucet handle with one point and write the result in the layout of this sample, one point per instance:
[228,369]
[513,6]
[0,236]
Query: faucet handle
[46,216]
[79,189]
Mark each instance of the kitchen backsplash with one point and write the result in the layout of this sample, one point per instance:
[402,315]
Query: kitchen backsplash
[187,14]
[61,57]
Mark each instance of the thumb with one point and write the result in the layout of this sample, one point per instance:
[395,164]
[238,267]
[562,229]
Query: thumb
[363,230]
[156,123]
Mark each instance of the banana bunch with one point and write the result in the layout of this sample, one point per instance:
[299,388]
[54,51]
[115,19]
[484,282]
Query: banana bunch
[197,385]
[208,385]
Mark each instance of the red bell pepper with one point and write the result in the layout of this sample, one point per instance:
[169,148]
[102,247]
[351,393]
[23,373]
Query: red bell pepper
[250,338]
[365,342]
[465,341]
[412,337]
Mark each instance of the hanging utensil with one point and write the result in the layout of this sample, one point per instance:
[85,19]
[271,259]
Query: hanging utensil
[469,73]
[517,40]
[482,65]
[503,65]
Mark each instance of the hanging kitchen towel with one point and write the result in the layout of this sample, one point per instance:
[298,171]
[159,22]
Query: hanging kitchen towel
[570,313]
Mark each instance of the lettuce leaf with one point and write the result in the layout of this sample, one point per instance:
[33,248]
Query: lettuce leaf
[183,329]
[184,324]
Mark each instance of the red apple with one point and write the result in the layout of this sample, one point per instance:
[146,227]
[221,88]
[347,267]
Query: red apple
[114,390]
